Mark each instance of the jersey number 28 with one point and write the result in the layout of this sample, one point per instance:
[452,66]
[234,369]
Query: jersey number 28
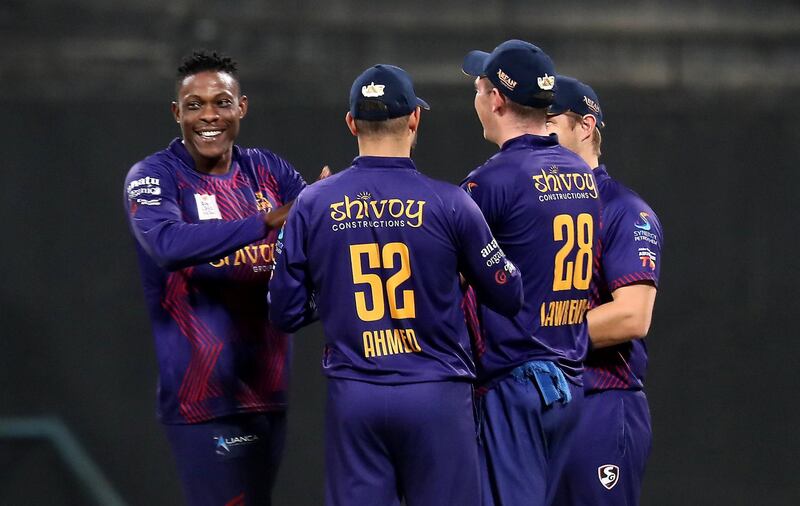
[577,273]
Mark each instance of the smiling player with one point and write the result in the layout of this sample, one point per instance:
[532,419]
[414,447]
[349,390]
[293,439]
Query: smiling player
[205,213]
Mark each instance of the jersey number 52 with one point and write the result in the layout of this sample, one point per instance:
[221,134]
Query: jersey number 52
[384,258]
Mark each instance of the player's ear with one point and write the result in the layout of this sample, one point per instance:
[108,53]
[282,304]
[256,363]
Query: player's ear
[242,106]
[413,119]
[351,123]
[176,112]
[498,100]
[588,123]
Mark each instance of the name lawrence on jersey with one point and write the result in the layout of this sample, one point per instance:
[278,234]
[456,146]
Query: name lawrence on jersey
[563,312]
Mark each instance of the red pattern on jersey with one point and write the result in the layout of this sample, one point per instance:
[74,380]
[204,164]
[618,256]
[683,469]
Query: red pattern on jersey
[196,386]
[236,501]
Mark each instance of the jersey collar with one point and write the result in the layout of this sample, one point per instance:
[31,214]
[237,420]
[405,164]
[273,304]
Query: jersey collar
[600,173]
[177,148]
[530,141]
[384,162]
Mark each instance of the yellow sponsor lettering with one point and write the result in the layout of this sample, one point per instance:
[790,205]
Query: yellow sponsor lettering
[416,215]
[375,212]
[357,204]
[553,181]
[267,252]
[255,255]
[336,211]
[239,257]
[396,208]
[363,208]
[221,262]
[252,253]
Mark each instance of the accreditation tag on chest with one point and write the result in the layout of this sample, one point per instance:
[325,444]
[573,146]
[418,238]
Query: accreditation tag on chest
[207,207]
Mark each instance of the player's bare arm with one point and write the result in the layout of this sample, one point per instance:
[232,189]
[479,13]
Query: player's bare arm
[625,318]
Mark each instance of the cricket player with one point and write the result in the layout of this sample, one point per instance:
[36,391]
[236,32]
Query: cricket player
[205,214]
[376,251]
[541,203]
[613,436]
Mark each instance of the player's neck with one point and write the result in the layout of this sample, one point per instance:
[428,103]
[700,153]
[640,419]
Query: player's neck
[590,158]
[511,131]
[216,166]
[384,147]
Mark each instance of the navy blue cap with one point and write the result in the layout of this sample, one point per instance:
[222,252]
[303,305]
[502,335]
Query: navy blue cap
[388,85]
[573,95]
[522,71]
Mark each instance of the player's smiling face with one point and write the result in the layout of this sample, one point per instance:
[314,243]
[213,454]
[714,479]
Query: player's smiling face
[209,108]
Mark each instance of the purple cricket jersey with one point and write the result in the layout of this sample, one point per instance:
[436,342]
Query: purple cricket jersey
[206,256]
[629,251]
[380,246]
[541,203]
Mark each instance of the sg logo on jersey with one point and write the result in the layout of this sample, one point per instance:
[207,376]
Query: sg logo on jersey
[608,475]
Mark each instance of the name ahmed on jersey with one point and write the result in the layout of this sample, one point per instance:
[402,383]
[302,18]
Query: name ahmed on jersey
[553,184]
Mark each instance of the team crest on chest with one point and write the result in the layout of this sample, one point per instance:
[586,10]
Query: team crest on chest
[262,203]
[608,475]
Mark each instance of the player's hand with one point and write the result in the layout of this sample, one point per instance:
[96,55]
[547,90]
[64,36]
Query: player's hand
[277,217]
[325,172]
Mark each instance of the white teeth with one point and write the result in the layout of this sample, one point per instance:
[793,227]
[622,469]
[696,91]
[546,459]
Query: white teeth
[210,133]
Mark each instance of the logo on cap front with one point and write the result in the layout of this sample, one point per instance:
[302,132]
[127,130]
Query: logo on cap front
[591,104]
[506,80]
[373,90]
[608,475]
[546,82]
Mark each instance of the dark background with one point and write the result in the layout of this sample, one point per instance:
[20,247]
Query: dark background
[701,106]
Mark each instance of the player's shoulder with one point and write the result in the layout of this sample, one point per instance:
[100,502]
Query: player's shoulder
[261,157]
[160,165]
[560,157]
[333,185]
[443,191]
[618,197]
[499,170]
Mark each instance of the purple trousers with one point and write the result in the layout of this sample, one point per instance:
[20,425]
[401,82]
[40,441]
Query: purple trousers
[525,441]
[229,461]
[609,451]
[414,442]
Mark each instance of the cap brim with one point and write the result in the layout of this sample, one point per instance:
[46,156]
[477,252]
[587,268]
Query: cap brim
[475,63]
[423,104]
[555,110]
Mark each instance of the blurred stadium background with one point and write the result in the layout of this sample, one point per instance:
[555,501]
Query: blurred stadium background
[700,100]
